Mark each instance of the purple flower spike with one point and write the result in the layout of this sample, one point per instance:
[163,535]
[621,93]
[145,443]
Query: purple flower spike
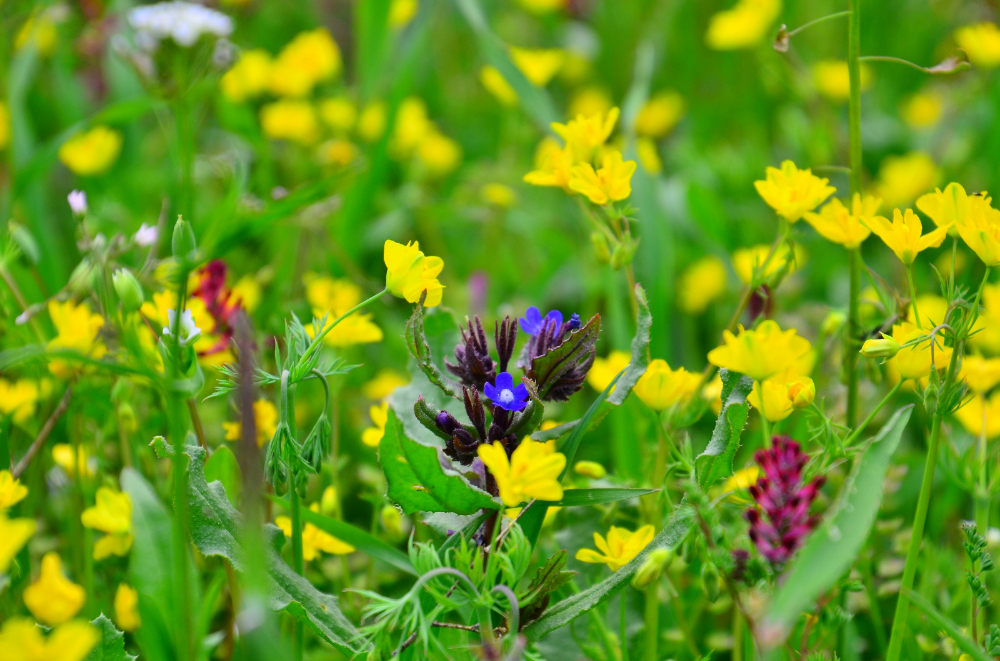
[783,500]
[505,395]
[532,322]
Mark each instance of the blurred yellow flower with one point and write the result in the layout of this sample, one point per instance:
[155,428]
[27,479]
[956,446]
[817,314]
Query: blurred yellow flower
[339,153]
[539,65]
[328,501]
[591,469]
[649,156]
[801,392]
[914,362]
[589,100]
[553,165]
[309,58]
[383,385]
[792,192]
[701,284]
[401,12]
[903,234]
[781,393]
[902,178]
[246,293]
[661,387]
[23,640]
[14,534]
[659,114]
[838,224]
[762,352]
[249,77]
[339,113]
[932,308]
[980,230]
[605,369]
[980,374]
[290,120]
[18,398]
[744,478]
[409,273]
[981,415]
[111,514]
[439,153]
[372,121]
[498,195]
[833,82]
[63,456]
[988,336]
[746,24]
[11,490]
[542,6]
[39,31]
[612,182]
[621,546]
[265,417]
[586,133]
[127,608]
[748,261]
[379,414]
[411,126]
[314,540]
[949,206]
[532,471]
[981,42]
[76,330]
[91,152]
[497,85]
[922,110]
[4,126]
[333,298]
[53,599]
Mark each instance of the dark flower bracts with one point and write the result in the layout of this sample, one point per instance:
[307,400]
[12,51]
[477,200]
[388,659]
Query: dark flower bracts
[781,521]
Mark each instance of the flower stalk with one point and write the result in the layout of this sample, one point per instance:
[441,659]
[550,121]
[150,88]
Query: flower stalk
[854,262]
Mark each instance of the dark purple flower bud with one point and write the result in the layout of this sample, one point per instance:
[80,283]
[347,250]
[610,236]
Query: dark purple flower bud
[574,322]
[761,303]
[475,410]
[505,336]
[474,366]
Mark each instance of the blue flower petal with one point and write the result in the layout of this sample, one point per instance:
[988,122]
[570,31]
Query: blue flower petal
[504,381]
[554,315]
[517,406]
[520,393]
[531,322]
[491,392]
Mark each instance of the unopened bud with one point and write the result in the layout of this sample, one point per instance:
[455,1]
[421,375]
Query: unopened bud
[128,289]
[590,469]
[183,242]
[392,521]
[801,392]
[601,249]
[651,568]
[622,256]
[711,581]
[887,347]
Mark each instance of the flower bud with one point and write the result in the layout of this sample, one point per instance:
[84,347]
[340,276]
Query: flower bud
[711,581]
[590,469]
[622,256]
[886,347]
[392,521]
[601,249]
[78,202]
[126,418]
[183,242]
[801,392]
[128,289]
[651,568]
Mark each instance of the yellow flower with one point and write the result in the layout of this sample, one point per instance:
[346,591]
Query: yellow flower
[53,599]
[290,120]
[314,540]
[902,178]
[922,110]
[11,490]
[498,195]
[832,80]
[249,76]
[903,234]
[792,192]
[63,455]
[309,58]
[127,608]
[847,227]
[981,415]
[762,352]
[591,469]
[401,12]
[411,126]
[372,436]
[611,183]
[112,514]
[776,404]
[383,385]
[14,534]
[988,337]
[439,153]
[538,65]
[748,261]
[246,293]
[23,640]
[339,113]
[333,298]
[661,387]
[948,207]
[980,229]
[76,330]
[980,374]
[553,165]
[39,31]
[659,114]
[620,548]
[532,472]
[18,398]
[605,369]
[372,121]
[914,362]
[409,273]
[712,393]
[497,85]
[589,100]
[585,134]
[981,42]
[338,153]
[4,126]
[265,416]
[932,308]
[648,155]
[542,6]
[746,24]
[801,392]
[744,478]
[701,284]
[91,152]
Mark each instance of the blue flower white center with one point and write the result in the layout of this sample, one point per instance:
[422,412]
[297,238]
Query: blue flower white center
[506,397]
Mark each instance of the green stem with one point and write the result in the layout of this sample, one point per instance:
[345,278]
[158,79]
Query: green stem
[314,345]
[298,560]
[817,21]
[651,622]
[851,336]
[913,295]
[854,258]
[622,631]
[871,416]
[982,494]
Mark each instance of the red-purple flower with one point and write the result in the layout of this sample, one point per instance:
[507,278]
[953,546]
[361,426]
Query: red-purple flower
[780,522]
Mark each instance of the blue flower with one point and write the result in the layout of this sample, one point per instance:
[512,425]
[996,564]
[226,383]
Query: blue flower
[532,322]
[505,395]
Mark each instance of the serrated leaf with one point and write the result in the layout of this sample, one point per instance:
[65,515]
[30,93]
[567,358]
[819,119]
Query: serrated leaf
[545,370]
[418,482]
[111,647]
[716,462]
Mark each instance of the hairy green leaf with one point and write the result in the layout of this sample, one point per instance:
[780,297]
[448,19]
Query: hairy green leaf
[416,342]
[716,462]
[111,647]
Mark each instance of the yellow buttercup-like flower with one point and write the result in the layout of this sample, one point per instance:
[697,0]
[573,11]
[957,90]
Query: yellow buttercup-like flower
[127,608]
[332,298]
[744,478]
[23,640]
[660,114]
[612,182]
[411,127]
[902,179]
[837,223]
[339,113]
[18,399]
[988,336]
[91,152]
[701,284]
[532,471]
[749,262]
[383,385]
[314,540]
[553,165]
[746,24]
[605,369]
[922,110]
[585,134]
[621,546]
[833,82]
[903,234]
[981,415]
[372,121]
[290,120]
[53,599]
[498,195]
[661,387]
[914,362]
[409,273]
[947,207]
[65,458]
[112,514]
[539,65]
[14,534]
[379,414]
[265,416]
[981,42]
[591,469]
[249,77]
[783,393]
[649,155]
[439,154]
[792,192]
[762,352]
[76,330]
[980,230]
[980,374]
[309,58]
[497,85]
[11,491]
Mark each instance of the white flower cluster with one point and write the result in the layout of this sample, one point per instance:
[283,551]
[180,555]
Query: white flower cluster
[184,22]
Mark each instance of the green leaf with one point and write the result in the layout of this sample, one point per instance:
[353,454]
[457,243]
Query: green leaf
[833,547]
[222,466]
[565,611]
[111,647]
[416,342]
[548,578]
[361,540]
[418,482]
[546,370]
[954,631]
[467,532]
[716,462]
[582,497]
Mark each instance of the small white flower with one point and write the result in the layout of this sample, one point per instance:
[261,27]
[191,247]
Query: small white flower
[78,202]
[22,318]
[188,331]
[184,22]
[147,236]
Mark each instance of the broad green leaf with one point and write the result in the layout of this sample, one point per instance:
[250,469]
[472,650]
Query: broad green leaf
[582,497]
[832,548]
[222,466]
[716,462]
[111,647]
[361,540]
[418,482]
[565,611]
[953,630]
